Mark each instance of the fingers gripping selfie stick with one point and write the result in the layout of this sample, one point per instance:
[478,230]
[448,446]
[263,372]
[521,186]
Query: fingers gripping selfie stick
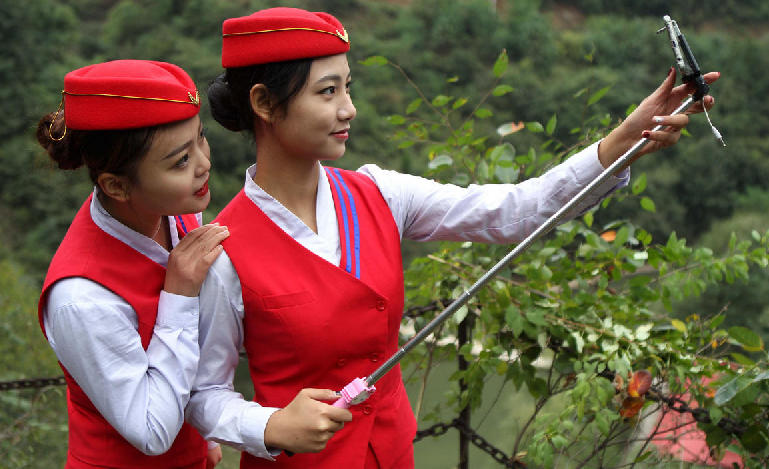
[687,65]
[360,389]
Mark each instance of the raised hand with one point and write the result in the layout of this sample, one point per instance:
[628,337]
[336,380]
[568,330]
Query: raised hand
[654,110]
[189,261]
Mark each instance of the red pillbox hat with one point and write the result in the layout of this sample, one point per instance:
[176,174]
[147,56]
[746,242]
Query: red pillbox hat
[281,34]
[126,94]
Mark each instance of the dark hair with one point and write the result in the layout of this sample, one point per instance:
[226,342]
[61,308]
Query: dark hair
[229,93]
[101,151]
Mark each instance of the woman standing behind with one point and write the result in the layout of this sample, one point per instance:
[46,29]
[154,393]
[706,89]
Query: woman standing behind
[311,282]
[119,306]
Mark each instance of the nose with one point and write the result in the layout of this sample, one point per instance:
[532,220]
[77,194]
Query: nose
[347,110]
[203,159]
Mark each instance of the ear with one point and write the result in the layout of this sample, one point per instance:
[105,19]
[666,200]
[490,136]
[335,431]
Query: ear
[114,186]
[259,98]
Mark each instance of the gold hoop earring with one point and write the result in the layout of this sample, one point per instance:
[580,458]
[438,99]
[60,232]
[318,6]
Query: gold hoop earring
[50,126]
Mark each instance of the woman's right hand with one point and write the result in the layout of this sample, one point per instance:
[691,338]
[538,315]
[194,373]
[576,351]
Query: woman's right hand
[189,261]
[306,424]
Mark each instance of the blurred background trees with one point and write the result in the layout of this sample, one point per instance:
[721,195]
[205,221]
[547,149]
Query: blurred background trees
[557,50]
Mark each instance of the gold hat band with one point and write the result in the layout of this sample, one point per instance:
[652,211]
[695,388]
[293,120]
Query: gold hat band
[192,99]
[343,35]
[195,100]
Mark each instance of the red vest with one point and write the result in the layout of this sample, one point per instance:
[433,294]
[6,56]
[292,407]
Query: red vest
[88,252]
[309,323]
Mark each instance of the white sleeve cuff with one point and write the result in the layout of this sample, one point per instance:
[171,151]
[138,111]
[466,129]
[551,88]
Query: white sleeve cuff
[177,311]
[253,425]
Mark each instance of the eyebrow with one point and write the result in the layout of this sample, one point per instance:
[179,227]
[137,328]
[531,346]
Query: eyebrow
[177,150]
[332,77]
[182,146]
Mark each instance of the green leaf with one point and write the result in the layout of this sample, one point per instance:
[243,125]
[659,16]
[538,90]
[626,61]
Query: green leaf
[559,441]
[642,332]
[648,204]
[439,161]
[536,317]
[588,219]
[396,119]
[640,184]
[535,127]
[679,325]
[483,113]
[501,64]
[550,127]
[459,103]
[602,423]
[623,234]
[460,314]
[746,396]
[503,156]
[749,340]
[595,97]
[726,392]
[644,456]
[715,436]
[755,438]
[514,320]
[580,92]
[413,106]
[716,321]
[374,60]
[502,90]
[441,100]
[742,359]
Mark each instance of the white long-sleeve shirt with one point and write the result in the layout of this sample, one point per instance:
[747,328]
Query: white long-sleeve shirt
[94,334]
[423,210]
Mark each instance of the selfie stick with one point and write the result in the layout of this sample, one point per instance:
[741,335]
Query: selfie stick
[360,389]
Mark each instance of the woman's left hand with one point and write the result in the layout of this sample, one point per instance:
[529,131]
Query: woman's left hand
[213,457]
[654,110]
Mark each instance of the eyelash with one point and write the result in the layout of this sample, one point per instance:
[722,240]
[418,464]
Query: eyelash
[332,89]
[182,162]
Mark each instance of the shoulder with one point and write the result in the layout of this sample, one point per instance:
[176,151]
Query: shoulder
[80,292]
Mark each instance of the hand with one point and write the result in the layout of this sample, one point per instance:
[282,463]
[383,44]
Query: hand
[213,457]
[189,261]
[305,425]
[660,104]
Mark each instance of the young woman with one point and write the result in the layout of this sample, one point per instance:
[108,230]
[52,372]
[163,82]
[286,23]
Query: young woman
[119,304]
[311,281]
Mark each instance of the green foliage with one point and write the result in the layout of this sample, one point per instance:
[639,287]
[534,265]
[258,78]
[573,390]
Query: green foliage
[649,299]
[586,305]
[33,424]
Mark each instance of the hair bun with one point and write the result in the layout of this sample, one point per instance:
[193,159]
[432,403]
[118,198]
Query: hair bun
[51,135]
[223,107]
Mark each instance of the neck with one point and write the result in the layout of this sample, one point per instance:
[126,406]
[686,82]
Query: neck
[291,181]
[153,227]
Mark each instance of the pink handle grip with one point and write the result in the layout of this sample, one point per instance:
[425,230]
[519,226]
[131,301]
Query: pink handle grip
[355,392]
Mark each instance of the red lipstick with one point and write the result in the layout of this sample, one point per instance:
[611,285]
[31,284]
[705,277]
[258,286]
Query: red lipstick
[202,191]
